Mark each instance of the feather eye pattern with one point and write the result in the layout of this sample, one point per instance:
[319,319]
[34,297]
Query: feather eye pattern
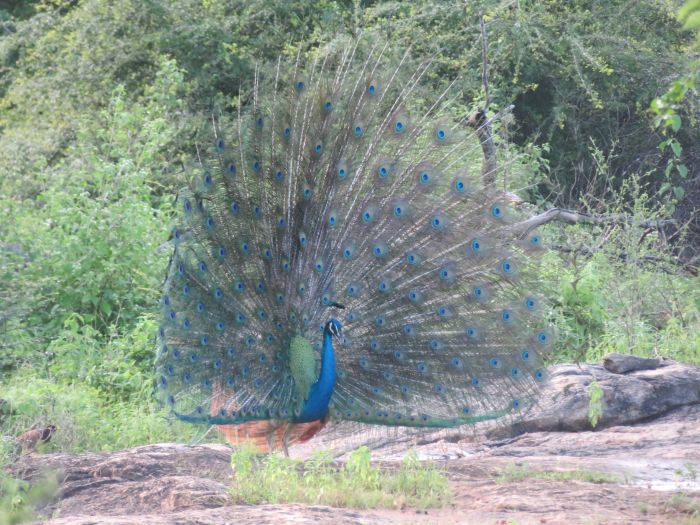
[335,195]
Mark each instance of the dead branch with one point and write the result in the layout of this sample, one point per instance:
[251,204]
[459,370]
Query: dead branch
[485,64]
[482,128]
[574,217]
[482,125]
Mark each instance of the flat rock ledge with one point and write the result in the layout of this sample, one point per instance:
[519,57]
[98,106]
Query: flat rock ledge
[647,441]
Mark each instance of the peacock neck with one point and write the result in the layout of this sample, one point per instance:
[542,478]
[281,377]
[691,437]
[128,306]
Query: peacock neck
[316,405]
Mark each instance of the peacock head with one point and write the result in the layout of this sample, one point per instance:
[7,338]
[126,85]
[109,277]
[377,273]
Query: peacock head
[333,328]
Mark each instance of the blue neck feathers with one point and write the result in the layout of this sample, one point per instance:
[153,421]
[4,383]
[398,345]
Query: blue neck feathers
[316,406]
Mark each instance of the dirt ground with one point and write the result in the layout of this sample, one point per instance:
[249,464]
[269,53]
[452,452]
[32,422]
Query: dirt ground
[640,465]
[650,471]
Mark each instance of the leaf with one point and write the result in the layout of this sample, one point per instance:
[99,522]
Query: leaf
[676,147]
[679,192]
[664,188]
[675,122]
[106,308]
[690,7]
[693,21]
[682,170]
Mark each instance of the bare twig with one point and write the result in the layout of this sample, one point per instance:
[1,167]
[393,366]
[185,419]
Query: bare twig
[485,64]
[478,120]
[574,217]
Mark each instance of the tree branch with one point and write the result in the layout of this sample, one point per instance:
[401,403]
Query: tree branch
[573,217]
[485,64]
[482,128]
[478,120]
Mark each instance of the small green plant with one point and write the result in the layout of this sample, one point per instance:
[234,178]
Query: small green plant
[20,501]
[518,473]
[688,473]
[681,502]
[595,403]
[358,483]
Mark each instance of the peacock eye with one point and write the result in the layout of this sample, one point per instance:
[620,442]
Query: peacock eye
[328,189]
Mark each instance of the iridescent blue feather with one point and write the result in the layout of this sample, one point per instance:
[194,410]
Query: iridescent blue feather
[335,187]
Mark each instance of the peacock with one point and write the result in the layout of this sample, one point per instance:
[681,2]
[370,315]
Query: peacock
[340,257]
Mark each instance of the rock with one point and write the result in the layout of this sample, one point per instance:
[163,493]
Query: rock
[622,363]
[563,406]
[640,464]
[635,396]
[175,476]
[234,515]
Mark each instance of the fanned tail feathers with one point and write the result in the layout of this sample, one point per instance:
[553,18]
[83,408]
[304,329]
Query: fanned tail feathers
[338,184]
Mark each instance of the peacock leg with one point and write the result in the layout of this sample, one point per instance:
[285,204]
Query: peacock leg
[285,438]
[270,440]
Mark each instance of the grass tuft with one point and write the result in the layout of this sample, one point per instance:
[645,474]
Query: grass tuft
[358,484]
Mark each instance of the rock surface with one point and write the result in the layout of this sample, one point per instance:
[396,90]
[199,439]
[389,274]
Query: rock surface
[627,399]
[635,393]
[621,363]
[646,447]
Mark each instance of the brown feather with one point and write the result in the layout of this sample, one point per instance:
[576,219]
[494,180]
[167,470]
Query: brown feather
[31,438]
[261,433]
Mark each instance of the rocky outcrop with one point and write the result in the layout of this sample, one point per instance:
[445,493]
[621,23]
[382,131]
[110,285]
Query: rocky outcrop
[632,392]
[634,389]
[646,448]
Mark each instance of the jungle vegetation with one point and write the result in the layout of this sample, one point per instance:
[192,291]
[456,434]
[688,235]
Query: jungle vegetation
[100,99]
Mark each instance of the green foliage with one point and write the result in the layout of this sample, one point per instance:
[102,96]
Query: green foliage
[617,290]
[683,503]
[569,76]
[275,479]
[689,15]
[99,99]
[595,402]
[679,102]
[83,255]
[20,501]
[120,368]
[567,73]
[689,472]
[668,109]
[87,420]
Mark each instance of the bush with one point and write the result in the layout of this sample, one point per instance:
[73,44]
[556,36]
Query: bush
[618,290]
[86,419]
[84,250]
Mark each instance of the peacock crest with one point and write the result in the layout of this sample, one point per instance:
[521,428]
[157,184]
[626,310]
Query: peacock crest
[340,256]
